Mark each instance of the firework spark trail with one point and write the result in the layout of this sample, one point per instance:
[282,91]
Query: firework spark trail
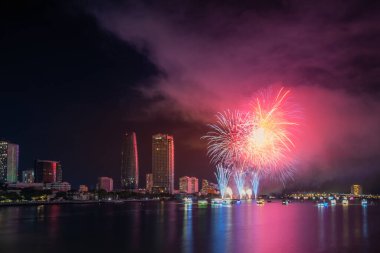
[223,175]
[255,181]
[239,177]
[225,138]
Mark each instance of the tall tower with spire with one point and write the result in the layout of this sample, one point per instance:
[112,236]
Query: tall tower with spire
[129,162]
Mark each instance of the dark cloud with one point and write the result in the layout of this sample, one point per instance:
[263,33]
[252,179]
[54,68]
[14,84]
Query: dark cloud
[66,86]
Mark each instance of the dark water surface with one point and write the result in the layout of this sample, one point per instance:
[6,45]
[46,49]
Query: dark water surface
[170,227]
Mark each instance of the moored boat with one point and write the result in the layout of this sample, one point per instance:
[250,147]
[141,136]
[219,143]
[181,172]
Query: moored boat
[188,201]
[260,202]
[227,202]
[285,202]
[202,202]
[216,201]
[322,204]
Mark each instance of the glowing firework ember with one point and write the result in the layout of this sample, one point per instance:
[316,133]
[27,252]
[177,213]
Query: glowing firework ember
[239,177]
[223,177]
[248,192]
[229,192]
[255,181]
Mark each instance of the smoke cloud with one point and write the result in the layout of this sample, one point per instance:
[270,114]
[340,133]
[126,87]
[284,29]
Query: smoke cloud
[214,56]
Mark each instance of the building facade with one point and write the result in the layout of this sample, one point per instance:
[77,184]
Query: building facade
[163,163]
[356,190]
[28,176]
[129,162]
[188,185]
[83,188]
[9,159]
[46,171]
[149,182]
[36,186]
[58,186]
[105,183]
[209,188]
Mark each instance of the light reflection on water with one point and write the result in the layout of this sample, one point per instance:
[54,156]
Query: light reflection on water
[346,227]
[173,227]
[321,228]
[365,222]
[187,233]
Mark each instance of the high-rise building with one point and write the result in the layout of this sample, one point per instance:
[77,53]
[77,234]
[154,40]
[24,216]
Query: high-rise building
[28,176]
[194,185]
[356,190]
[184,184]
[188,184]
[83,188]
[149,182]
[47,171]
[9,153]
[163,163]
[208,187]
[205,187]
[129,162]
[105,183]
[58,177]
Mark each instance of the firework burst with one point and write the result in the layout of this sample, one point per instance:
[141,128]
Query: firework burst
[225,140]
[269,144]
[260,141]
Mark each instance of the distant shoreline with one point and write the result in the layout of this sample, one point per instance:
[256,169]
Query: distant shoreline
[73,202]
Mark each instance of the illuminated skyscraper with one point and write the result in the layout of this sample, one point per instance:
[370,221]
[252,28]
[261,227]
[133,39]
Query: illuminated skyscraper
[105,183]
[8,162]
[163,163]
[28,176]
[83,188]
[149,182]
[188,184]
[47,171]
[129,162]
[208,187]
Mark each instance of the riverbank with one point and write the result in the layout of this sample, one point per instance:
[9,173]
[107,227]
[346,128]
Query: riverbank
[76,202]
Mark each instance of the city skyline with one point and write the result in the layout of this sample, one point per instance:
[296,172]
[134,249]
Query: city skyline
[57,175]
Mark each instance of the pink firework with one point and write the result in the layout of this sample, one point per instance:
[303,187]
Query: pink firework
[226,138]
[269,144]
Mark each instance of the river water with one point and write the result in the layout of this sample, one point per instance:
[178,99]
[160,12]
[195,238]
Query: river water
[173,227]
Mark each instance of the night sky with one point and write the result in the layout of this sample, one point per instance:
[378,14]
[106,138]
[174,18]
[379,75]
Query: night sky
[76,75]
